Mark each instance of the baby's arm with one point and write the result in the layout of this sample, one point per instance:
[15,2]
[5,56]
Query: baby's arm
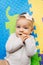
[13,44]
[30,46]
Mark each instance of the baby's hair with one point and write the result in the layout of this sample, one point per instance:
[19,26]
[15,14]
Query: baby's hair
[23,13]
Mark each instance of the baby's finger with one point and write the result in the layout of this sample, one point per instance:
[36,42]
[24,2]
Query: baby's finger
[25,38]
[24,35]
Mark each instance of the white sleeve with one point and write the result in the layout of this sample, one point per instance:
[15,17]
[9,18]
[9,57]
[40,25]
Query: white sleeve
[13,44]
[30,46]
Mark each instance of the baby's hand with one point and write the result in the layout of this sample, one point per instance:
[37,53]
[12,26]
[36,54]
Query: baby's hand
[23,37]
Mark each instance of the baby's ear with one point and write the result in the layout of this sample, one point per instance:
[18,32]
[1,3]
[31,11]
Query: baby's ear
[33,24]
[33,20]
[32,29]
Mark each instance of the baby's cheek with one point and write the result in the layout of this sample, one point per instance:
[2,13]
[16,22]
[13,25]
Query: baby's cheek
[26,32]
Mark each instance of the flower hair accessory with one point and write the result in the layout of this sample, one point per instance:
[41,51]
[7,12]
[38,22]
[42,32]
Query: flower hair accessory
[27,16]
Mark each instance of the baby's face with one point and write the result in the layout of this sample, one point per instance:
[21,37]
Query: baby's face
[22,27]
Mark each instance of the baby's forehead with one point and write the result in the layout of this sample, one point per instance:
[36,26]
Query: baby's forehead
[23,19]
[24,23]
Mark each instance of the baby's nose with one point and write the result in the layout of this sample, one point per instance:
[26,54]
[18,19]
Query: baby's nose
[21,29]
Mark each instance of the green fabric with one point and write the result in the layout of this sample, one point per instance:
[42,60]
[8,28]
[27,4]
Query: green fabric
[35,60]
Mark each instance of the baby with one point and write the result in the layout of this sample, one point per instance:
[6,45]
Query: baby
[20,46]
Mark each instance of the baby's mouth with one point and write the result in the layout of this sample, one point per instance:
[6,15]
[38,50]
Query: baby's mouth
[20,34]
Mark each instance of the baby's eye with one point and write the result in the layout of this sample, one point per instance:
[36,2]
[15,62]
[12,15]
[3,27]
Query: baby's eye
[18,26]
[25,27]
